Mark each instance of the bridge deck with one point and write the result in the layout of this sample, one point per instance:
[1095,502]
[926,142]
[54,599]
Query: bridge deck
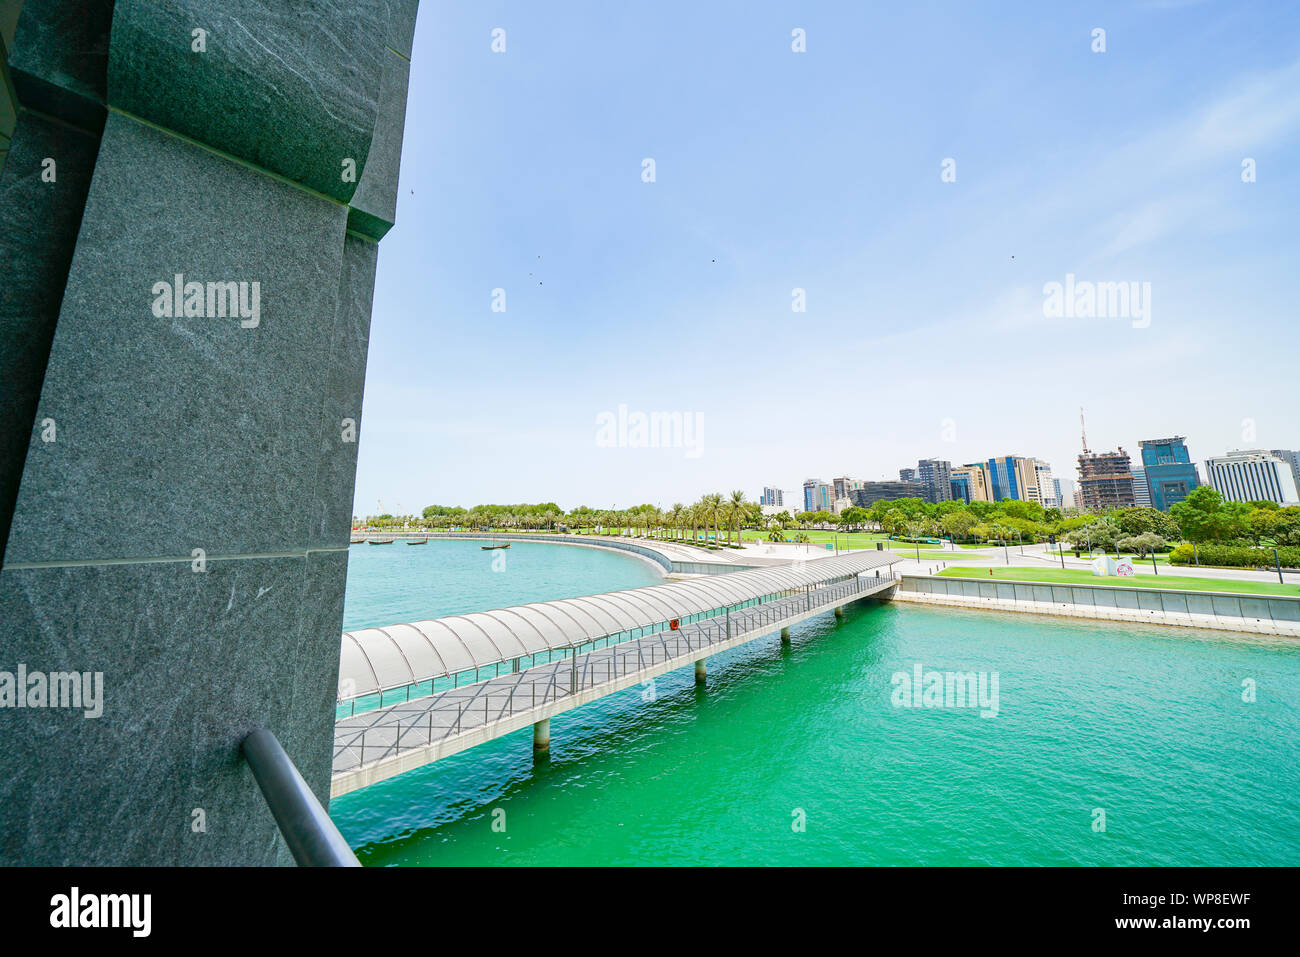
[385,742]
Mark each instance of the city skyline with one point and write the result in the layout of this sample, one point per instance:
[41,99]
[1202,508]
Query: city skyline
[925,332]
[795,496]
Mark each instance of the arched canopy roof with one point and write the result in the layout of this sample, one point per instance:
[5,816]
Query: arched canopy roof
[376,659]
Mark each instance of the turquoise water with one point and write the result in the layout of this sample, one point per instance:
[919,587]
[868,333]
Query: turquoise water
[1144,722]
[400,582]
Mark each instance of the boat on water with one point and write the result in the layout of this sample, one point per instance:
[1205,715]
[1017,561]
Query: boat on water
[387,541]
[488,548]
[417,541]
[356,541]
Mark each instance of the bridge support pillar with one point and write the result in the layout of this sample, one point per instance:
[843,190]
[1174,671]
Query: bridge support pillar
[839,612]
[701,671]
[542,735]
[785,636]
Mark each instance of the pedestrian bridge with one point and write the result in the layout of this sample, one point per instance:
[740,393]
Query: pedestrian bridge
[412,694]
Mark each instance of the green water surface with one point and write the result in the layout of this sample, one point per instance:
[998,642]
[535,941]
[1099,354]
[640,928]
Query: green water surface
[1144,722]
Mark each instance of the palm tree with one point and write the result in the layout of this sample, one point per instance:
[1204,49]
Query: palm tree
[736,512]
[713,511]
[675,516]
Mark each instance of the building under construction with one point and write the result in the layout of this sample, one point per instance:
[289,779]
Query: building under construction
[1105,480]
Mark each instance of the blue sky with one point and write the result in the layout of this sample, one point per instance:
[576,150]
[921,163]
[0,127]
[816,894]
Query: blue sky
[924,333]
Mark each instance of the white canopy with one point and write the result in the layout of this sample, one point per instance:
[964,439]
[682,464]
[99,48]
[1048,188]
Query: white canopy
[377,659]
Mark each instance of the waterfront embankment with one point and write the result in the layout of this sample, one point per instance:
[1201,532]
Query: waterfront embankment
[1220,611]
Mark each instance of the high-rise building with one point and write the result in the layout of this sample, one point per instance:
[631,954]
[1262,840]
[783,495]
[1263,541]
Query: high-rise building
[936,476]
[840,487]
[1064,492]
[872,492]
[1105,480]
[1169,472]
[771,496]
[1141,493]
[1013,477]
[971,483]
[1292,458]
[1045,489]
[1252,475]
[810,494]
[908,475]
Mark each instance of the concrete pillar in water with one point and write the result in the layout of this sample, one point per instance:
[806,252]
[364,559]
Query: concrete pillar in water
[839,612]
[542,735]
[785,636]
[700,671]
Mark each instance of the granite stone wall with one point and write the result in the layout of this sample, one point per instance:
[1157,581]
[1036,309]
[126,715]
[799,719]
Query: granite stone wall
[182,488]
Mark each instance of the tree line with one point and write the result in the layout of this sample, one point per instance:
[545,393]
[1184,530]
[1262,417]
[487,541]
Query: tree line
[1203,518]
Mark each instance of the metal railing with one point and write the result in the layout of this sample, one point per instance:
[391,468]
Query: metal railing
[311,836]
[590,670]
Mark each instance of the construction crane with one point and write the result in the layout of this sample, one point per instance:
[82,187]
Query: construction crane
[1083,429]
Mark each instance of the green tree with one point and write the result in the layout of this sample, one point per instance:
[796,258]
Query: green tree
[958,524]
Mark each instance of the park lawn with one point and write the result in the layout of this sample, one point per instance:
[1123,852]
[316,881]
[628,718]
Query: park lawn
[1078,576]
[822,537]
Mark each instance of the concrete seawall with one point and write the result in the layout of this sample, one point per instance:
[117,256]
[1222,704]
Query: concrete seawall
[1222,611]
[670,565]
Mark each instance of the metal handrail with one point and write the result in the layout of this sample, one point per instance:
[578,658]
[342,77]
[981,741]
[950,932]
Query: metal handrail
[311,836]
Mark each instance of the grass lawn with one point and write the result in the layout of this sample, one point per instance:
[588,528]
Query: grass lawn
[853,539]
[1073,576]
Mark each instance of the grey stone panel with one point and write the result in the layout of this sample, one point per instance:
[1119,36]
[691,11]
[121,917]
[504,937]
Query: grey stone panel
[39,220]
[38,231]
[401,25]
[988,590]
[1282,610]
[1254,607]
[178,699]
[348,340]
[9,11]
[374,205]
[291,88]
[1200,604]
[177,433]
[1226,606]
[1175,602]
[59,56]
[1104,597]
[1149,601]
[1065,594]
